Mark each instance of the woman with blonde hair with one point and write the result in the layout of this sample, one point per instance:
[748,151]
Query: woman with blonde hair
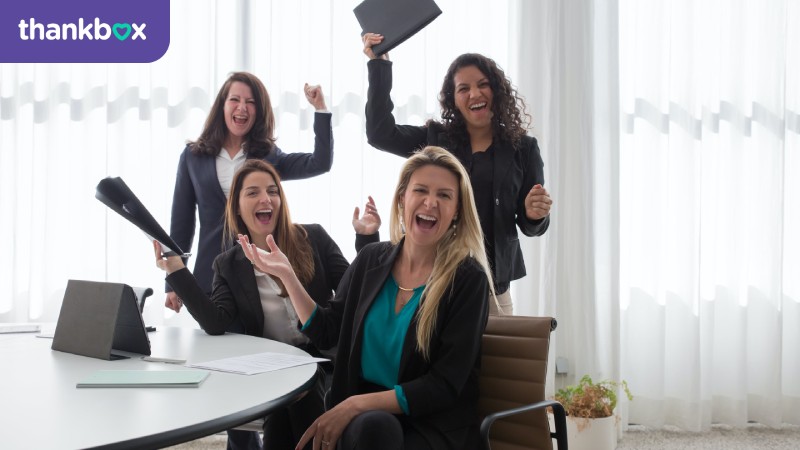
[408,318]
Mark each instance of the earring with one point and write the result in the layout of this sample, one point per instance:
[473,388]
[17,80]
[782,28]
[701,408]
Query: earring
[402,225]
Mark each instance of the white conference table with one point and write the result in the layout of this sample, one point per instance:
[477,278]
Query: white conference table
[40,407]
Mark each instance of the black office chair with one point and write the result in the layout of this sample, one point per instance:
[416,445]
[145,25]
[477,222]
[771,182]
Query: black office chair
[141,295]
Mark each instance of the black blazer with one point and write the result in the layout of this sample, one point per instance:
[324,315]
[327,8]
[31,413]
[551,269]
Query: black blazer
[515,171]
[197,189]
[442,393]
[235,293]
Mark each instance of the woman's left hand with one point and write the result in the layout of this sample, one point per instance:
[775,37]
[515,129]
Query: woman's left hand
[315,97]
[273,262]
[325,432]
[537,203]
[370,222]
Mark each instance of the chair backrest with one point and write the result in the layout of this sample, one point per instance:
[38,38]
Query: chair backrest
[513,372]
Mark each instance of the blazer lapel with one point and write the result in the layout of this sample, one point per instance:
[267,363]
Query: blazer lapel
[374,279]
[208,170]
[247,282]
[503,159]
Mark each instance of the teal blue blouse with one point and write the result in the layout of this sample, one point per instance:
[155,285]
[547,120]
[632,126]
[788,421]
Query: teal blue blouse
[384,334]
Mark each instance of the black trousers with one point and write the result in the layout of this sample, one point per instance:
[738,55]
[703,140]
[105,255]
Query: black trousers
[382,430]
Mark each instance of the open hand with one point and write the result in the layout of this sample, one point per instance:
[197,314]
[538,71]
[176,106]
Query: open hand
[370,222]
[325,432]
[272,262]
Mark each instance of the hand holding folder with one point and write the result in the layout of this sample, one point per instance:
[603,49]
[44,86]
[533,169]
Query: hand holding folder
[396,20]
[115,194]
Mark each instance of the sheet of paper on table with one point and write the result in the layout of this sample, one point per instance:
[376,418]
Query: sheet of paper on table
[256,363]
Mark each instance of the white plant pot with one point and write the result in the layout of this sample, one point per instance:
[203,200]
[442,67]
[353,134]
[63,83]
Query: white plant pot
[590,434]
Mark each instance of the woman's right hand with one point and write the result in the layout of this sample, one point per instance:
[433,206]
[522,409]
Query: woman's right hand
[173,302]
[370,39]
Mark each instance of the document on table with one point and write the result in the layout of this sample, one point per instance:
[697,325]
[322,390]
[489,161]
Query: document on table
[256,363]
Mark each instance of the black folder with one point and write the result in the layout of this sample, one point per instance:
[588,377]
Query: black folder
[396,20]
[119,197]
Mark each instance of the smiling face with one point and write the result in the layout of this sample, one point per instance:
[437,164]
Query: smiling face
[259,205]
[473,97]
[240,109]
[429,205]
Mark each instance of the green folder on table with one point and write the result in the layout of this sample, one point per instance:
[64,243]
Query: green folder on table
[143,379]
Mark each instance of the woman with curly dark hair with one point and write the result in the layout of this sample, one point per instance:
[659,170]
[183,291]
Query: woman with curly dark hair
[484,125]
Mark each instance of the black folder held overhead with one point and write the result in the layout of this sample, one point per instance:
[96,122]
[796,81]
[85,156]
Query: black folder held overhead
[396,20]
[119,197]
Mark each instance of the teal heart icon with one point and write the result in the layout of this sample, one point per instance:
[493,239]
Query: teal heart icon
[121,26]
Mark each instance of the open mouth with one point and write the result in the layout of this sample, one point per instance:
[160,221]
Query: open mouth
[425,222]
[478,106]
[264,216]
[240,119]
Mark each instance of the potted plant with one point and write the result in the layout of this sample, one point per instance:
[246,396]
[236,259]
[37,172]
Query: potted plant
[591,421]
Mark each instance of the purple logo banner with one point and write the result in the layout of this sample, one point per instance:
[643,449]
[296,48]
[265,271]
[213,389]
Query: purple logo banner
[83,31]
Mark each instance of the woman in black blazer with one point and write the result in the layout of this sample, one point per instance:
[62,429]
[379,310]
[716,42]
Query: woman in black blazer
[240,126]
[482,125]
[408,319]
[257,207]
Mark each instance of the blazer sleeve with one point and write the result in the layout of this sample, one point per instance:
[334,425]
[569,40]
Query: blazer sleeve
[362,240]
[184,206]
[213,314]
[533,173]
[324,327]
[335,263]
[382,131]
[459,346]
[295,166]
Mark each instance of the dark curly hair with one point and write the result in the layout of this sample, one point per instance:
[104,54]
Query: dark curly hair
[509,121]
[261,138]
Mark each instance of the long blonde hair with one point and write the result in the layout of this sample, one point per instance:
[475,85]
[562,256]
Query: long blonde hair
[457,244]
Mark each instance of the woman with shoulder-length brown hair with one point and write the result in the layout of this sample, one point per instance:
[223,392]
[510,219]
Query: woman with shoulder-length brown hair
[257,208]
[408,319]
[240,126]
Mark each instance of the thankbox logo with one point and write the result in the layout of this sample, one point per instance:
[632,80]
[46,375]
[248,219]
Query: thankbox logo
[83,30]
[31,30]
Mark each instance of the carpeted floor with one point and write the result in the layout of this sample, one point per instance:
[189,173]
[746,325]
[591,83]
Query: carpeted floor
[720,437]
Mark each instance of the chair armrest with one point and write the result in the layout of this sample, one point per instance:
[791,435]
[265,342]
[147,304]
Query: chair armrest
[559,415]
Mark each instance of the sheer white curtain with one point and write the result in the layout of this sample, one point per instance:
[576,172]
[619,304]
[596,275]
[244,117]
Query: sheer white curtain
[63,127]
[710,211]
[568,65]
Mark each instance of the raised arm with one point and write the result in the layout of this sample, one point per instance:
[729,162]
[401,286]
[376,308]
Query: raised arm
[382,131]
[295,166]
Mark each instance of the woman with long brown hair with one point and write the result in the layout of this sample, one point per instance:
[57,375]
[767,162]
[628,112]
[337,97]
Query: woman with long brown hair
[257,208]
